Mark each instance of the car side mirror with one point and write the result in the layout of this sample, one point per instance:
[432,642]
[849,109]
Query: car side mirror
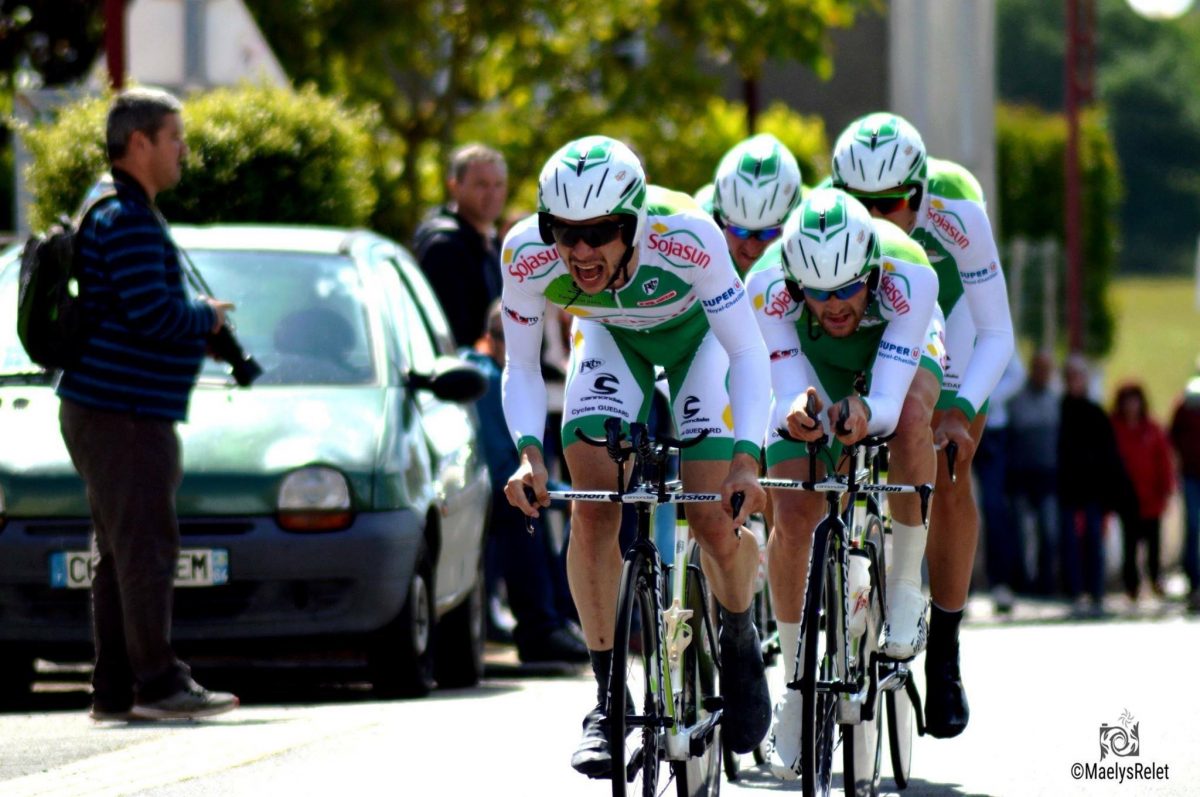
[451,379]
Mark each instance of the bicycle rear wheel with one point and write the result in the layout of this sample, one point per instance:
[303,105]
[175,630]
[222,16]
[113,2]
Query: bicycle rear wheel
[862,743]
[700,776]
[818,629]
[635,684]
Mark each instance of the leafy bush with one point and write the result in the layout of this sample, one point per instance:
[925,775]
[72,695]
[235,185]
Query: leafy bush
[258,154]
[1030,149]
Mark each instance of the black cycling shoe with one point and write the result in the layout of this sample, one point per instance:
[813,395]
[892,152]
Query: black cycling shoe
[946,709]
[747,715]
[592,757]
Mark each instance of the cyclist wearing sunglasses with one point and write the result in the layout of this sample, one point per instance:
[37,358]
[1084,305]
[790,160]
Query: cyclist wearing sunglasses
[648,277]
[844,300]
[881,159]
[757,184]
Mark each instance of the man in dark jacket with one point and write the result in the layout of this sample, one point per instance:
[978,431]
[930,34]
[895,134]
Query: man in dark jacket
[457,244]
[118,409]
[1091,482]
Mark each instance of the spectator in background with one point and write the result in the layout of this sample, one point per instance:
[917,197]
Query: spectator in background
[1091,482]
[1146,454]
[1185,436]
[1002,537]
[457,245]
[1033,422]
[525,562]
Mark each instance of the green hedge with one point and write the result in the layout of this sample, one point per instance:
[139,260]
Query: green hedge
[1030,151]
[258,154]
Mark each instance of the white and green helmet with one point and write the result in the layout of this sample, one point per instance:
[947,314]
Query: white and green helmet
[877,152]
[757,183]
[829,241]
[590,177]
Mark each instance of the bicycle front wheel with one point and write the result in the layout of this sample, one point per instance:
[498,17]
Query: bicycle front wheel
[901,722]
[635,684]
[862,742]
[819,630]
[700,775]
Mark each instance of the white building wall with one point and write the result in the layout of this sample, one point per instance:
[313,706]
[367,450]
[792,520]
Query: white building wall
[942,78]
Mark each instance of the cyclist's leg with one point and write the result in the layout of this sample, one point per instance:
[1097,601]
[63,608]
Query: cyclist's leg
[910,461]
[950,551]
[700,401]
[603,380]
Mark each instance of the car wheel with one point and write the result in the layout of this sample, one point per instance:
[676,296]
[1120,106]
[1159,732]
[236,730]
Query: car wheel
[460,638]
[401,655]
[16,675]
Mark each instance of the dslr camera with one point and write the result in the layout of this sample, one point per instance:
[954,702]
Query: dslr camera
[227,349]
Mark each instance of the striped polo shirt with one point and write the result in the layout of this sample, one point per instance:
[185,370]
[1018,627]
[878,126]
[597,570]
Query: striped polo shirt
[145,353]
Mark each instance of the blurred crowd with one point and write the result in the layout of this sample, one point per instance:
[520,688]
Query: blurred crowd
[1061,475]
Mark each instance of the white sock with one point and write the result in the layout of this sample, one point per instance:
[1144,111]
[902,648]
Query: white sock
[908,549]
[789,638]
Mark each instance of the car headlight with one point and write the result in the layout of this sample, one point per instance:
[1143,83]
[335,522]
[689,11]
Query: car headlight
[314,499]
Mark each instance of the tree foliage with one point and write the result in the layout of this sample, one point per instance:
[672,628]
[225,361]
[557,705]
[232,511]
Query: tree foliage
[1030,147]
[1146,77]
[256,155]
[528,75]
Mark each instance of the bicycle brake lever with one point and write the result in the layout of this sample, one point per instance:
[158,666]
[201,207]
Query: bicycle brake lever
[925,491]
[531,498]
[735,503]
[951,456]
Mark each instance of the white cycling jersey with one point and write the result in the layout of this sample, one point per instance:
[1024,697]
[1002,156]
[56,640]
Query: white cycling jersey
[952,226]
[682,290]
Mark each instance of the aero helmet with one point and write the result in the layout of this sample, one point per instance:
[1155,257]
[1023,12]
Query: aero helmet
[829,241]
[590,177]
[757,183]
[878,152]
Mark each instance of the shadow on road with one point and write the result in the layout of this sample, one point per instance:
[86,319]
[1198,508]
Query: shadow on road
[65,687]
[760,777]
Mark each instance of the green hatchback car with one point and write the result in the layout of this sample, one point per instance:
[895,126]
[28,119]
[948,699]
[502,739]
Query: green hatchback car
[336,506]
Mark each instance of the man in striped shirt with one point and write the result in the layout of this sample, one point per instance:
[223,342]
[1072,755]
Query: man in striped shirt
[119,407]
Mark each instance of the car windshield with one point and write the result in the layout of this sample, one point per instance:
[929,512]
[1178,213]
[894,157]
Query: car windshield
[300,315]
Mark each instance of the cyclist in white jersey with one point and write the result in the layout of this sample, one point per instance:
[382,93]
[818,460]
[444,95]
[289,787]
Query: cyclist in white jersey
[846,303]
[757,184]
[648,277]
[881,160]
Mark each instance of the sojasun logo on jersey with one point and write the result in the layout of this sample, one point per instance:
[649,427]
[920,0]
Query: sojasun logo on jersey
[950,228]
[777,302]
[894,294]
[525,267]
[669,247]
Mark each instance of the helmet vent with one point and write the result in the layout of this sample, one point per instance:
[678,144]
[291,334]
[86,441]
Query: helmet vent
[600,185]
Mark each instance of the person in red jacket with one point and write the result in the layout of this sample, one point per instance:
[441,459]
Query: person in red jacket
[1146,453]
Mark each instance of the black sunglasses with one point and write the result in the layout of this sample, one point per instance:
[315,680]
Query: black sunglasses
[886,204]
[594,235]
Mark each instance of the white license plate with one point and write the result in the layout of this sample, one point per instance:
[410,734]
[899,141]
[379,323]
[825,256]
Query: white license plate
[197,567]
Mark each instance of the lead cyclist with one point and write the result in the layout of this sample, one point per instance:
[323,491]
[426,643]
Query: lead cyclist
[881,160]
[648,278]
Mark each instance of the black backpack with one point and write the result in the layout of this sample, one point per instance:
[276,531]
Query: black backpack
[50,320]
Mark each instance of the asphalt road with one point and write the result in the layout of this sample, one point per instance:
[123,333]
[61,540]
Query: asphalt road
[1040,687]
